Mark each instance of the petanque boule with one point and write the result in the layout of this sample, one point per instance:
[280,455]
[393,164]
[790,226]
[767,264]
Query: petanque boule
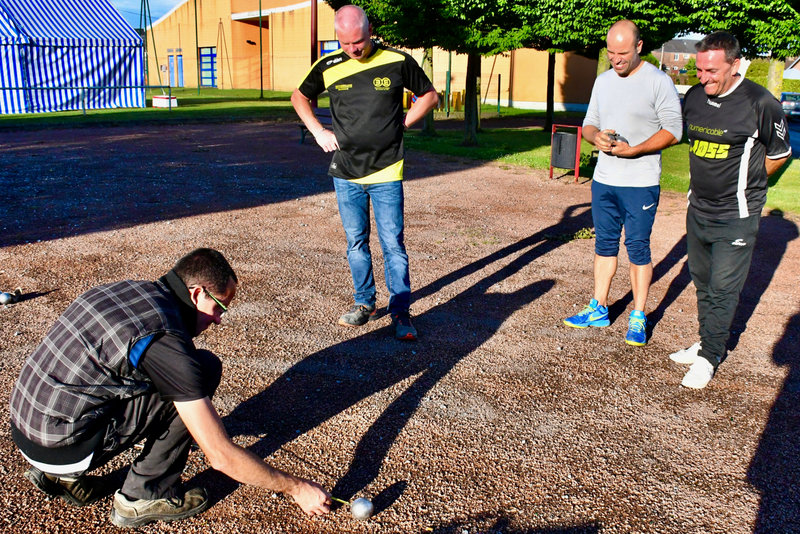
[360,508]
[6,298]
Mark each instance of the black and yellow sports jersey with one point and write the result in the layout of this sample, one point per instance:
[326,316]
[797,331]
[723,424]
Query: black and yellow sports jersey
[729,138]
[366,99]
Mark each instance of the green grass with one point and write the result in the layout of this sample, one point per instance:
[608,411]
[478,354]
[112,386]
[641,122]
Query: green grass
[528,147]
[211,105]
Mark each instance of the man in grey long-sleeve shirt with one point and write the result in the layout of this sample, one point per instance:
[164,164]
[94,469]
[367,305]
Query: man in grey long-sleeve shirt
[634,113]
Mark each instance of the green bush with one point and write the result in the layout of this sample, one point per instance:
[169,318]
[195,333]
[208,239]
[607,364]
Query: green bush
[758,71]
[759,68]
[650,58]
[791,86]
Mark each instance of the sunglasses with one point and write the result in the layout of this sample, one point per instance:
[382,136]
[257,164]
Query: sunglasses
[215,299]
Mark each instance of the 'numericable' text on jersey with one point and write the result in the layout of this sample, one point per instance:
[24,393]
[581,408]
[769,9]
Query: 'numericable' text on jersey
[366,99]
[729,138]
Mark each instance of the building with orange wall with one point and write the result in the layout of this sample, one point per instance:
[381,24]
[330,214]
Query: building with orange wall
[231,52]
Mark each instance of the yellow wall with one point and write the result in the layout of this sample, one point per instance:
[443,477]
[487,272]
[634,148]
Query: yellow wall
[526,69]
[175,34]
[574,77]
[245,64]
[291,41]
[287,57]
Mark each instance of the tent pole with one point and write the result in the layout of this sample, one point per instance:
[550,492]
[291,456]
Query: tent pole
[197,47]
[149,22]
[143,27]
[314,39]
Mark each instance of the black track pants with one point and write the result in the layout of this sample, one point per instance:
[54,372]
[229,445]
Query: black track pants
[719,259]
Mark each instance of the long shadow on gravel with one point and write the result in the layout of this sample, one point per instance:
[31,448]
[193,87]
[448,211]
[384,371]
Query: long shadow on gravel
[96,179]
[775,468]
[74,181]
[773,238]
[500,523]
[333,380]
[774,235]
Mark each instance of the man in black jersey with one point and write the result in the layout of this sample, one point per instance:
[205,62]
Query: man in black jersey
[365,81]
[119,367]
[738,137]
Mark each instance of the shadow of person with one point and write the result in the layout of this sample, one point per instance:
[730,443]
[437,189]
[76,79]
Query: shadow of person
[676,286]
[500,522]
[339,377]
[775,468]
[774,235]
[452,344]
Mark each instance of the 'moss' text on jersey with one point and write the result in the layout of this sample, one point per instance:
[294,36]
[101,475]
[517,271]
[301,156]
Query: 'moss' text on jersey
[729,137]
[366,100]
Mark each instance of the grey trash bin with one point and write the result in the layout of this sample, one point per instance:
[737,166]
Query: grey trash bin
[563,150]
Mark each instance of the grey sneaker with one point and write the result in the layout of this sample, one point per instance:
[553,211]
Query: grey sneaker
[358,315]
[403,329]
[128,513]
[78,491]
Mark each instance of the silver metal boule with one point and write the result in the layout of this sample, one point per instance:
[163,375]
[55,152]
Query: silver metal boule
[361,508]
[5,298]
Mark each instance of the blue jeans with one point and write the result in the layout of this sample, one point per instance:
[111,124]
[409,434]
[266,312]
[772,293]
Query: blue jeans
[387,205]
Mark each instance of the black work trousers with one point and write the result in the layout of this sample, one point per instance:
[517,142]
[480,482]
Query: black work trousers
[156,471]
[719,254]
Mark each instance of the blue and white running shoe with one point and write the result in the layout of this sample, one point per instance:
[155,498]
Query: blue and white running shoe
[592,315]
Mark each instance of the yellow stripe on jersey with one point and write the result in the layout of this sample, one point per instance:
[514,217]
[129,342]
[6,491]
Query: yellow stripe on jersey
[354,66]
[326,57]
[392,173]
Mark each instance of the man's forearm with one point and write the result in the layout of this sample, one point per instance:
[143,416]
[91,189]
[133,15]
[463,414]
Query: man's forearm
[325,138]
[422,107]
[590,133]
[302,107]
[205,426]
[656,142]
[773,165]
[248,468]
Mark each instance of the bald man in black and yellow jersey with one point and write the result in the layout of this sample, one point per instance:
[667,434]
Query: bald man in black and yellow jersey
[365,81]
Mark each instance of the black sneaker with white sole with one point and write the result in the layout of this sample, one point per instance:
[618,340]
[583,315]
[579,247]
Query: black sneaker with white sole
[78,491]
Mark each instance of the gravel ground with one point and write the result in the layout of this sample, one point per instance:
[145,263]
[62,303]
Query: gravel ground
[499,419]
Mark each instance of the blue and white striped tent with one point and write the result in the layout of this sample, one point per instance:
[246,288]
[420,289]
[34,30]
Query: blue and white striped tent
[58,55]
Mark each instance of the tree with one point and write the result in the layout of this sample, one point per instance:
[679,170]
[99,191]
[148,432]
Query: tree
[472,27]
[764,28]
[653,60]
[576,25]
[428,128]
[691,72]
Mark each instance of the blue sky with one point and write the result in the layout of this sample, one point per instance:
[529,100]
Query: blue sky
[131,9]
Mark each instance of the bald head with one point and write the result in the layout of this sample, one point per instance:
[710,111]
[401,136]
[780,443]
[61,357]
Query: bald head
[349,18]
[353,30]
[624,45]
[624,30]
